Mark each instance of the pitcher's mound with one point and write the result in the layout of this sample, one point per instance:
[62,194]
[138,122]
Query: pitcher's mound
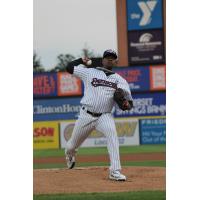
[95,179]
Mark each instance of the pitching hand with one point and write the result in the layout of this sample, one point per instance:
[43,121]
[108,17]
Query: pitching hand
[85,61]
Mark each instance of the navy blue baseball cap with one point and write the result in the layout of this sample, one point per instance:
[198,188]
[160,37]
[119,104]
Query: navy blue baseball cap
[110,52]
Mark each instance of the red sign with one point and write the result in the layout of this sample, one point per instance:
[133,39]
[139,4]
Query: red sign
[158,77]
[68,85]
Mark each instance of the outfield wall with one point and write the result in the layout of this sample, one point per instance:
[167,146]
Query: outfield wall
[56,107]
[131,131]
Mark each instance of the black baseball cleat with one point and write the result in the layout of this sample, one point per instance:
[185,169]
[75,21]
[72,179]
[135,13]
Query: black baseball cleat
[70,161]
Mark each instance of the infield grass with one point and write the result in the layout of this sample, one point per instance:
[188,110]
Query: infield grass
[157,163]
[101,150]
[140,195]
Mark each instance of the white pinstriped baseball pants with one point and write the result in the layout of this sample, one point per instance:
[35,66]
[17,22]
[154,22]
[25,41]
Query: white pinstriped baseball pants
[106,125]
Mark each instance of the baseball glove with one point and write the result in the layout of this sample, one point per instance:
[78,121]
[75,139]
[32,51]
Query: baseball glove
[119,98]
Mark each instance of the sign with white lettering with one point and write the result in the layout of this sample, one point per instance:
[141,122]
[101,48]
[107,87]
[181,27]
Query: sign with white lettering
[137,77]
[157,77]
[144,14]
[56,109]
[68,85]
[146,47]
[153,131]
[145,104]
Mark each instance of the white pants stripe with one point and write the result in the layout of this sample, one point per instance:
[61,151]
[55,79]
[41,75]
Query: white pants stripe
[106,125]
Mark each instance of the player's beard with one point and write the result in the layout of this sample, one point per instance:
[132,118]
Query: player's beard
[108,64]
[108,67]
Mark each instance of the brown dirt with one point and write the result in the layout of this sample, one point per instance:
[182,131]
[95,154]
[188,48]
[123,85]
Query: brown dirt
[95,179]
[103,158]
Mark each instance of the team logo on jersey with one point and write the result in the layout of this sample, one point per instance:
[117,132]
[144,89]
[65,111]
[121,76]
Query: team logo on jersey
[99,82]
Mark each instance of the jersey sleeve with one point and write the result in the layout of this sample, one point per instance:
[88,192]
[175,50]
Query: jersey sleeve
[81,72]
[123,84]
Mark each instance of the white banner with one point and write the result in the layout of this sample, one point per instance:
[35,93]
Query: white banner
[127,129]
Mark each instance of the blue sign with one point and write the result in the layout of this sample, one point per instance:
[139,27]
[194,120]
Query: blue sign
[144,14]
[145,104]
[44,84]
[56,109]
[138,78]
[153,131]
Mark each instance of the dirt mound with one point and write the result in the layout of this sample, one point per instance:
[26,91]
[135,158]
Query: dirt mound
[95,179]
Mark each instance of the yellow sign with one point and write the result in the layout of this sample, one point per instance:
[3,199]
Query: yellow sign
[125,128]
[45,135]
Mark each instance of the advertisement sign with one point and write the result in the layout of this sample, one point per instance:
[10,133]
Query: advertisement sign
[127,129]
[147,104]
[146,47]
[68,85]
[137,77]
[45,135]
[153,131]
[56,109]
[44,84]
[158,77]
[144,14]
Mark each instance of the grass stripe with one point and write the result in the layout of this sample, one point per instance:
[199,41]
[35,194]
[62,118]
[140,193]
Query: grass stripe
[140,195]
[101,150]
[157,163]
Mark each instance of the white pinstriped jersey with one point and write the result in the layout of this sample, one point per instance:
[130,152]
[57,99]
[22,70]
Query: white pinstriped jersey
[99,88]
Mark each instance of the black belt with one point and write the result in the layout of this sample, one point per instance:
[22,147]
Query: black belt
[92,113]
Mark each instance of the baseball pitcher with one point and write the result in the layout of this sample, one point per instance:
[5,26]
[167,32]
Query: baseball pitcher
[103,88]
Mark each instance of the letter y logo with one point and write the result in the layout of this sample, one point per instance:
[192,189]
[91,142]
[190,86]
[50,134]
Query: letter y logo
[147,8]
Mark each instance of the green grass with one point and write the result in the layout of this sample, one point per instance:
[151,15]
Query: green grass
[101,150]
[160,163]
[140,195]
